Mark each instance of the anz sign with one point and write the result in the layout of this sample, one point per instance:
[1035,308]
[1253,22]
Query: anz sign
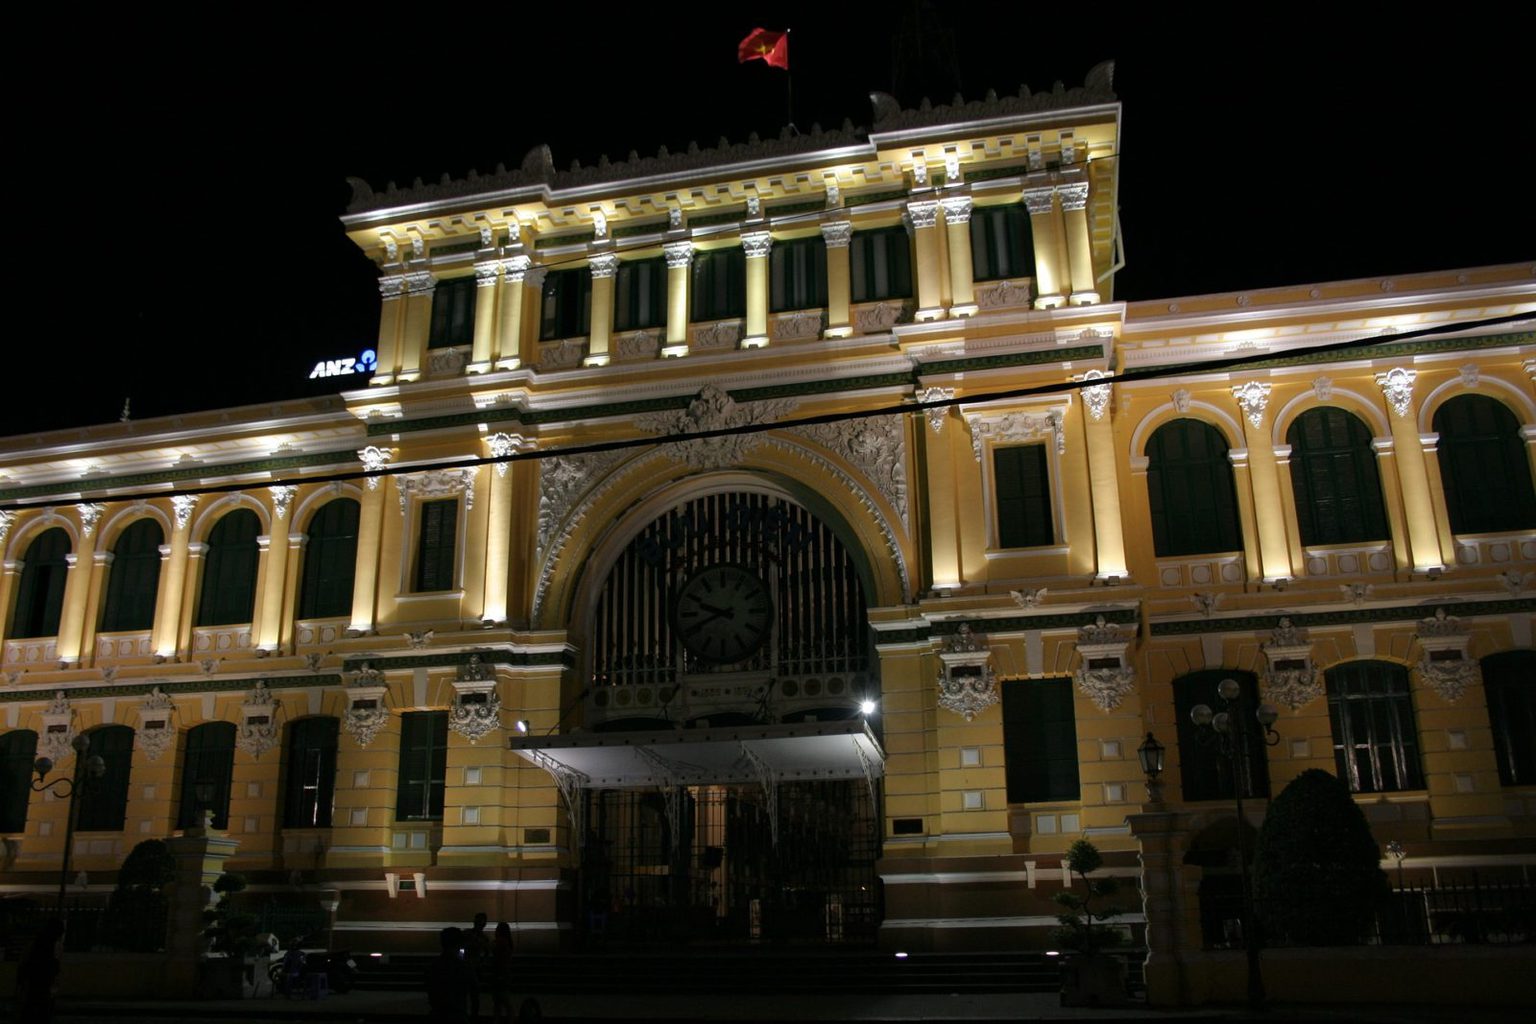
[366,362]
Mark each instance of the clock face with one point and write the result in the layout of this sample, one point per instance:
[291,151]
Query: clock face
[723,613]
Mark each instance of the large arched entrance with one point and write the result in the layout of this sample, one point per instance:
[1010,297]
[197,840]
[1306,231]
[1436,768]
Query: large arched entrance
[726,784]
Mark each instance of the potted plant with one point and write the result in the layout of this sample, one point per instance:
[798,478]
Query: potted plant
[227,968]
[1090,977]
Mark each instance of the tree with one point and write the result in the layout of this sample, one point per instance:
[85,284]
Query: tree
[1317,874]
[135,918]
[1078,930]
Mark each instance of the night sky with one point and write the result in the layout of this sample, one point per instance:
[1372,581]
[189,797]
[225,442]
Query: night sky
[176,186]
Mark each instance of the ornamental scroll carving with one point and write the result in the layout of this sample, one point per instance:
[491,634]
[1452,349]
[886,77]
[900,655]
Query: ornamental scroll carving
[58,729]
[1017,426]
[365,714]
[967,684]
[714,409]
[476,710]
[1106,677]
[437,483]
[1290,677]
[562,481]
[154,734]
[1445,663]
[258,722]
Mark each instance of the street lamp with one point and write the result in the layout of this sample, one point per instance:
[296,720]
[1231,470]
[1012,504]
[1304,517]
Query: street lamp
[1227,731]
[86,769]
[1151,755]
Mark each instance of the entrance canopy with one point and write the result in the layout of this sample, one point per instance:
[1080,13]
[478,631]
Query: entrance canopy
[694,757]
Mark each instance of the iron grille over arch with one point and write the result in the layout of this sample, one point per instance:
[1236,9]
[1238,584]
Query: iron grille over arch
[817,649]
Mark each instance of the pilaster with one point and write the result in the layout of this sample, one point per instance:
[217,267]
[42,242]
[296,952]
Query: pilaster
[269,635]
[482,350]
[532,313]
[1269,511]
[1103,479]
[77,585]
[757,245]
[679,264]
[957,224]
[369,528]
[923,215]
[173,578]
[1418,505]
[604,267]
[1046,230]
[391,324]
[1074,211]
[838,234]
[498,528]
[419,287]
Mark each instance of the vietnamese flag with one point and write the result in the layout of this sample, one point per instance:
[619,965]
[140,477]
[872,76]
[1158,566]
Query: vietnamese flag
[766,45]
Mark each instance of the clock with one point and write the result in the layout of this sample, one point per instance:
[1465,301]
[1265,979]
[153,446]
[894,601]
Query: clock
[723,613]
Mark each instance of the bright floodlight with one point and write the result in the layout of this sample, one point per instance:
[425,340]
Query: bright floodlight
[522,725]
[866,707]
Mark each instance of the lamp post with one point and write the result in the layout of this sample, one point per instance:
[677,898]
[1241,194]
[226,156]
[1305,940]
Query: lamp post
[1151,755]
[1228,731]
[86,769]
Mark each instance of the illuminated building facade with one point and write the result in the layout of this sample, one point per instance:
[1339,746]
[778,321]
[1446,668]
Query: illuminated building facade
[498,631]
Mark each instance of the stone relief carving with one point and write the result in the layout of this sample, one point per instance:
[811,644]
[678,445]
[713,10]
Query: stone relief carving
[282,497]
[1254,399]
[873,445]
[476,709]
[720,334]
[6,519]
[1444,663]
[374,459]
[797,327]
[882,316]
[967,683]
[365,714]
[1096,396]
[445,362]
[714,409]
[638,345]
[936,417]
[258,722]
[1397,385]
[437,483]
[561,355]
[1107,685]
[502,445]
[1290,677]
[58,729]
[562,479]
[1322,388]
[1016,426]
[1181,401]
[1028,598]
[155,734]
[1000,295]
[90,515]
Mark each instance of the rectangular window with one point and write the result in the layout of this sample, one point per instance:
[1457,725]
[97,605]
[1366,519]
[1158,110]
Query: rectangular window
[1040,740]
[423,765]
[640,295]
[567,307]
[309,765]
[718,287]
[1204,772]
[1375,734]
[1023,497]
[1001,246]
[880,264]
[435,545]
[453,313]
[798,273]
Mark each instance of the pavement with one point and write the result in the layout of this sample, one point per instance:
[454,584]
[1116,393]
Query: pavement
[364,1007]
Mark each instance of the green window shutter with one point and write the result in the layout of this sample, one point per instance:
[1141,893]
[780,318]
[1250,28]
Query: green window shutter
[1483,466]
[1040,740]
[1001,246]
[208,756]
[640,295]
[423,765]
[1375,734]
[309,772]
[1023,496]
[797,274]
[330,561]
[718,284]
[40,591]
[18,749]
[566,311]
[435,545]
[228,592]
[103,803]
[453,313]
[1509,680]
[1334,477]
[133,580]
[880,265]
[1203,773]
[1191,491]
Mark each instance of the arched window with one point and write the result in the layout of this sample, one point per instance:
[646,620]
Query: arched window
[207,766]
[1203,772]
[1510,682]
[18,749]
[1190,489]
[330,559]
[1375,735]
[1483,466]
[1333,472]
[103,803]
[228,592]
[40,592]
[133,579]
[309,766]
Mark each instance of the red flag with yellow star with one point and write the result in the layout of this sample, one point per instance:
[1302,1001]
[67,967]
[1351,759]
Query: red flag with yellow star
[766,45]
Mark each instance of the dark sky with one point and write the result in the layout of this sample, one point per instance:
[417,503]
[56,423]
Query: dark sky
[176,186]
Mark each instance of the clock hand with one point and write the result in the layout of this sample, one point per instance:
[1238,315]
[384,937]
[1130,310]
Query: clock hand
[729,613]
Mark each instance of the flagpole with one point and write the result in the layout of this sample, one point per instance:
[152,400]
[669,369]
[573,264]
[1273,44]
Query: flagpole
[789,91]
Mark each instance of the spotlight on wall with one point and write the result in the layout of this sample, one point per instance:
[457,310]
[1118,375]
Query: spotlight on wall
[522,725]
[867,707]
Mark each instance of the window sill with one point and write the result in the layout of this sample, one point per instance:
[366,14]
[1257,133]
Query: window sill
[429,595]
[1054,549]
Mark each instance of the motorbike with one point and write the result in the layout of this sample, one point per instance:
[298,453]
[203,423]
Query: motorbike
[338,966]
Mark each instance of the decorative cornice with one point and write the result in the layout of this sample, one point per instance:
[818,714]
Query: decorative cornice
[1336,617]
[178,474]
